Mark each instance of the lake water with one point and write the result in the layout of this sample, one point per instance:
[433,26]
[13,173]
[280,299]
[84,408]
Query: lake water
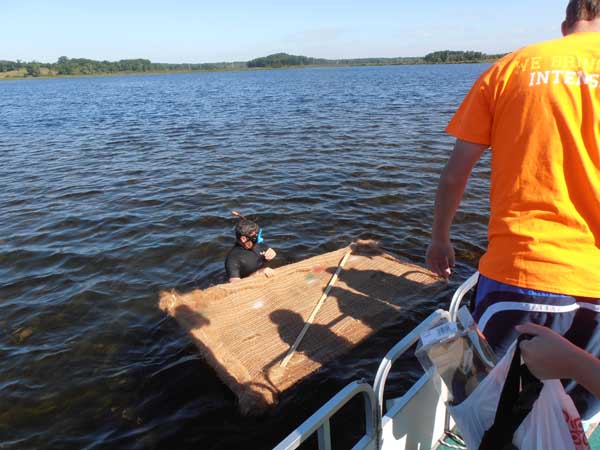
[114,188]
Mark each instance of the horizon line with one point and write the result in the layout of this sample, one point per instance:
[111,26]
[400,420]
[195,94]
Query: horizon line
[19,60]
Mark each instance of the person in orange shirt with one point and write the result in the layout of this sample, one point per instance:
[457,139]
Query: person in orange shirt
[538,109]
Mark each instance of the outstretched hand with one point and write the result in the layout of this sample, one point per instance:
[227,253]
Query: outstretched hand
[440,258]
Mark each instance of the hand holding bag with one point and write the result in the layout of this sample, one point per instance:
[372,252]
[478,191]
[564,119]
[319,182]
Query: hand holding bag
[519,411]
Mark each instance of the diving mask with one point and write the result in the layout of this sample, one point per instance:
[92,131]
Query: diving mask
[257,238]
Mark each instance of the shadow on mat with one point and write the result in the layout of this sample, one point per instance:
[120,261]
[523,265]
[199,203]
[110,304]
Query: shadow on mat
[250,394]
[289,322]
[192,319]
[372,297]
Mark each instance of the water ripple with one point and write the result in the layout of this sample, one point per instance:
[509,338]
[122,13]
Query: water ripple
[117,187]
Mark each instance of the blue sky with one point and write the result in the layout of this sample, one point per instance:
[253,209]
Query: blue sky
[234,30]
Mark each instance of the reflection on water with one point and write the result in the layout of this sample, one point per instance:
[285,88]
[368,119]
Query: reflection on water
[117,187]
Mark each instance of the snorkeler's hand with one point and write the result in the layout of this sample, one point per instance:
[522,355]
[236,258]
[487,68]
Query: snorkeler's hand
[268,272]
[269,254]
[440,258]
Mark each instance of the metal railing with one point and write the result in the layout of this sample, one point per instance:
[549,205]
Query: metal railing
[460,293]
[400,348]
[320,420]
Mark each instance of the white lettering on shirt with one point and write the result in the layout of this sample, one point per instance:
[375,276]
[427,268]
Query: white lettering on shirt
[565,77]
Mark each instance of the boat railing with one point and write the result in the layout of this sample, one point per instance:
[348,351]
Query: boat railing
[435,318]
[320,420]
[460,293]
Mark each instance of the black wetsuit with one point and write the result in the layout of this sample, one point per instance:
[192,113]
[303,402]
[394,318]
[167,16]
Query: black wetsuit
[241,263]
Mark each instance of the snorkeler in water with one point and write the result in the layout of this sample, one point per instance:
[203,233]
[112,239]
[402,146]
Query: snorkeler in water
[249,253]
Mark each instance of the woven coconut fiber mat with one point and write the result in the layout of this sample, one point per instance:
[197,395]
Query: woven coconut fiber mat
[244,330]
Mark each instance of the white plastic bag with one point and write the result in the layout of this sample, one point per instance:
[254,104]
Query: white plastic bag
[553,422]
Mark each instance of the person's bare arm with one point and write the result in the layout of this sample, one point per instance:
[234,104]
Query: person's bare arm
[548,355]
[440,254]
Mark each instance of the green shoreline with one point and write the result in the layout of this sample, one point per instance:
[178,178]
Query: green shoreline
[240,69]
[115,74]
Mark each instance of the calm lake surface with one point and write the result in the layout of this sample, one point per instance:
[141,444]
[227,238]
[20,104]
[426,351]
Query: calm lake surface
[114,188]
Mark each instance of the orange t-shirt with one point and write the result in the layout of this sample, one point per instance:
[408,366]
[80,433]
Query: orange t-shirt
[539,110]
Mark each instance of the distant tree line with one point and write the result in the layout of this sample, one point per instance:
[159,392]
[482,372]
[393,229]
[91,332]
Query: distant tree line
[82,66]
[66,66]
[449,56]
[440,57]
[285,60]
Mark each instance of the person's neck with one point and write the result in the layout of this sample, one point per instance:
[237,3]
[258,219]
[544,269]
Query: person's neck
[585,26]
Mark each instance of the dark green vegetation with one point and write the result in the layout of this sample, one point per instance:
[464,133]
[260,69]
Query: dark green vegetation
[81,66]
[442,57]
[449,57]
